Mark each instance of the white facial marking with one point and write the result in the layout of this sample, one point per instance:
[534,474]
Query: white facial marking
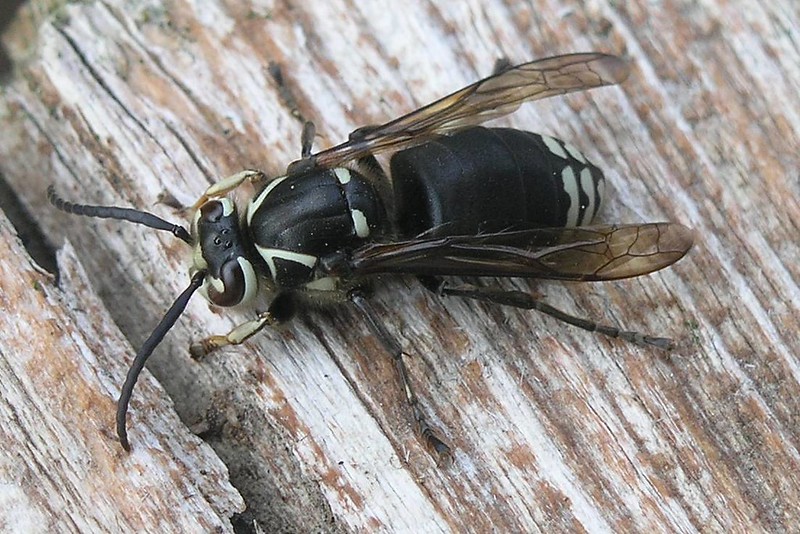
[269,255]
[198,261]
[360,223]
[570,184]
[250,279]
[575,153]
[587,185]
[554,146]
[216,283]
[343,175]
[227,206]
[195,221]
[254,205]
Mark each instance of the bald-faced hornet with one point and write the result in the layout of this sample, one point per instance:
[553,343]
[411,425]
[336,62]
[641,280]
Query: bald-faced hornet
[463,200]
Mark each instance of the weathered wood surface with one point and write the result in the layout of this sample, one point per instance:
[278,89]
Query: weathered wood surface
[60,467]
[555,429]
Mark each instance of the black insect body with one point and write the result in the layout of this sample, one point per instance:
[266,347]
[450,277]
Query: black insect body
[464,201]
[482,180]
[295,220]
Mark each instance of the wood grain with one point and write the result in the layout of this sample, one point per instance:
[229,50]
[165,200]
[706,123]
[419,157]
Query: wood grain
[61,469]
[555,429]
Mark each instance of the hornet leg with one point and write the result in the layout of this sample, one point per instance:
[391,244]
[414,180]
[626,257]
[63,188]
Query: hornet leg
[441,451]
[280,311]
[520,299]
[225,186]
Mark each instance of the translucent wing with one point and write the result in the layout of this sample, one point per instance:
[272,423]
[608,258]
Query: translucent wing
[486,99]
[590,253]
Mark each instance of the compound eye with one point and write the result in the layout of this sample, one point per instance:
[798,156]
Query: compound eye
[233,282]
[237,283]
[212,211]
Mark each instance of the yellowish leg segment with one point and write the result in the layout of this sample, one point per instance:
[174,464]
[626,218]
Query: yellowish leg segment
[236,336]
[223,187]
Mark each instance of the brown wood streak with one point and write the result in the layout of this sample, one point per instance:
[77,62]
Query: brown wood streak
[53,397]
[555,429]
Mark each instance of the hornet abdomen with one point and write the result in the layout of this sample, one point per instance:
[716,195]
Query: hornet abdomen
[483,180]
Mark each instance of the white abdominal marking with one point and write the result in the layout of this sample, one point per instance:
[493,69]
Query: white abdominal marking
[587,185]
[570,184]
[554,146]
[575,153]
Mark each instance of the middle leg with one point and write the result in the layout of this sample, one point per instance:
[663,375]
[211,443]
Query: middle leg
[440,449]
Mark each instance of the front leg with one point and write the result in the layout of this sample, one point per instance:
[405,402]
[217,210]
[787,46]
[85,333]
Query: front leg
[281,310]
[223,187]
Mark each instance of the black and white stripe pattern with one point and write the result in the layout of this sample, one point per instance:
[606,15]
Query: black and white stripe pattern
[581,181]
[297,219]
